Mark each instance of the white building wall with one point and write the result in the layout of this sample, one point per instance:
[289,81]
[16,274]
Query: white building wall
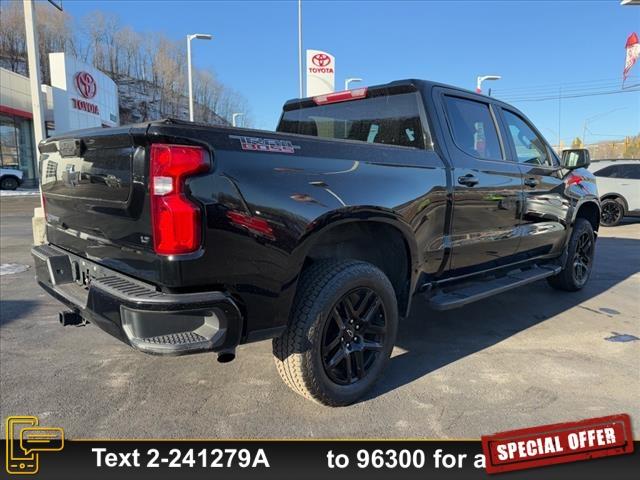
[15,91]
[66,116]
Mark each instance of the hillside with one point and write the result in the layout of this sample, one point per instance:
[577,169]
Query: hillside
[149,68]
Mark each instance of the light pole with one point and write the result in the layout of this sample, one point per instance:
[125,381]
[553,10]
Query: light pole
[300,48]
[33,59]
[349,80]
[482,78]
[199,36]
[234,116]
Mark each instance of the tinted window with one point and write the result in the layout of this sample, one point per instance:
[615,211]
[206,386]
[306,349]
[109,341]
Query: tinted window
[631,172]
[610,172]
[529,146]
[473,129]
[388,119]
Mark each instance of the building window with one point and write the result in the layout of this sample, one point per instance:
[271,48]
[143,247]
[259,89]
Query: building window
[16,146]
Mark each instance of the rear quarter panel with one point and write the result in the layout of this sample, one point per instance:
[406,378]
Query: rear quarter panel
[321,184]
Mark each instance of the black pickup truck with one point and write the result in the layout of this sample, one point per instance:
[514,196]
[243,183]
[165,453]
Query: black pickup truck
[177,237]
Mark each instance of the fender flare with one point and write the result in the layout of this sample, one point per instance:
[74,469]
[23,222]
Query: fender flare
[369,214]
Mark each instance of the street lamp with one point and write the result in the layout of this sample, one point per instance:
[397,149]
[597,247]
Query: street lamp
[234,116]
[482,78]
[199,36]
[349,80]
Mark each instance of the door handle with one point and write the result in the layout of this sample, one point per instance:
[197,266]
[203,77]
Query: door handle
[531,182]
[469,180]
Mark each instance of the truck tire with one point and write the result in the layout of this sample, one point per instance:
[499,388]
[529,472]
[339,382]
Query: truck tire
[9,183]
[341,332]
[579,259]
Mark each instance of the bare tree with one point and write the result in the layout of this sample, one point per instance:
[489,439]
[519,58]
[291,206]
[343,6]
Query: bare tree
[12,38]
[149,68]
[54,35]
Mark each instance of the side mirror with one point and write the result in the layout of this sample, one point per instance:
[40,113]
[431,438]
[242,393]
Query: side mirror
[576,158]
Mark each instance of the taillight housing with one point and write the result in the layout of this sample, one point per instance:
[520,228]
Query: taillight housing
[176,220]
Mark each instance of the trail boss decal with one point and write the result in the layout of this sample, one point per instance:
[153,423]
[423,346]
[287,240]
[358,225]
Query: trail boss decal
[265,144]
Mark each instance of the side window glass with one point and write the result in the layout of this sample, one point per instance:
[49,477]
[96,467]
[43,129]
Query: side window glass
[615,171]
[530,148]
[631,172]
[473,128]
[606,172]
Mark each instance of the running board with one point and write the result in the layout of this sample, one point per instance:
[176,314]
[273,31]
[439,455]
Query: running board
[486,288]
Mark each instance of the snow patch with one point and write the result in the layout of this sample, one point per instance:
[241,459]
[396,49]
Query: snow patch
[20,192]
[11,268]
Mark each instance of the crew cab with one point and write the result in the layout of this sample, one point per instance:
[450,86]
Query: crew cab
[177,237]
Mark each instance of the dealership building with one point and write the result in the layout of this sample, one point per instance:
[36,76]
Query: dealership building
[80,96]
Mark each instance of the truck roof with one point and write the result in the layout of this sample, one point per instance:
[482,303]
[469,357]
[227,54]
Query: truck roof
[397,86]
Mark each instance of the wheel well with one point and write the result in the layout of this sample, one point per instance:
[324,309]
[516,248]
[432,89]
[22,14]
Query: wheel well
[8,175]
[590,212]
[615,196]
[377,243]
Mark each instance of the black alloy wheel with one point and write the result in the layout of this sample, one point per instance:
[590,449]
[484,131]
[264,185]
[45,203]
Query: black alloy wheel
[342,329]
[612,213]
[354,336]
[578,258]
[583,258]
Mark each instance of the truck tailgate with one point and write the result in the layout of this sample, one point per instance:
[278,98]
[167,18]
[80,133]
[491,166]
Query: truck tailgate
[93,184]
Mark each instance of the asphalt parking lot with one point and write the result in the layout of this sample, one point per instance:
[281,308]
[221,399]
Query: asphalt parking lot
[528,357]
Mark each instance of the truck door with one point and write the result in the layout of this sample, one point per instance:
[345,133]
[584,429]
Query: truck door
[487,187]
[545,209]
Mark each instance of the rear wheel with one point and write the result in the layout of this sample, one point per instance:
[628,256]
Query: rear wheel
[8,183]
[342,330]
[612,212]
[579,261]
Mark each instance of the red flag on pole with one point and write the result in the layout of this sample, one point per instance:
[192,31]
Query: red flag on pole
[633,52]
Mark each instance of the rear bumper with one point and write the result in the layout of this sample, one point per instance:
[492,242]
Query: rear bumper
[135,312]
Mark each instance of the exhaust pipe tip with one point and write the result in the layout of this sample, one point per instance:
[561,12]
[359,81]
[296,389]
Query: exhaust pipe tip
[226,356]
[70,318]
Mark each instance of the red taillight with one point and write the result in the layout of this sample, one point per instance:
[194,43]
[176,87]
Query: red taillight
[176,220]
[355,94]
[574,180]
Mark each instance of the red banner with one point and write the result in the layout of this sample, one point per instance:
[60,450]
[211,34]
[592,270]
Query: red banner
[558,443]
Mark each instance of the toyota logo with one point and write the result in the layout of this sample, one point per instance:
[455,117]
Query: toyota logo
[86,85]
[321,59]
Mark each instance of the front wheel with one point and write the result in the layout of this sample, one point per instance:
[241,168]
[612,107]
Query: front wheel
[8,183]
[612,212]
[579,259]
[341,333]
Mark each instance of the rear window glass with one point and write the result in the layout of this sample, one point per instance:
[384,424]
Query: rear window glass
[389,119]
